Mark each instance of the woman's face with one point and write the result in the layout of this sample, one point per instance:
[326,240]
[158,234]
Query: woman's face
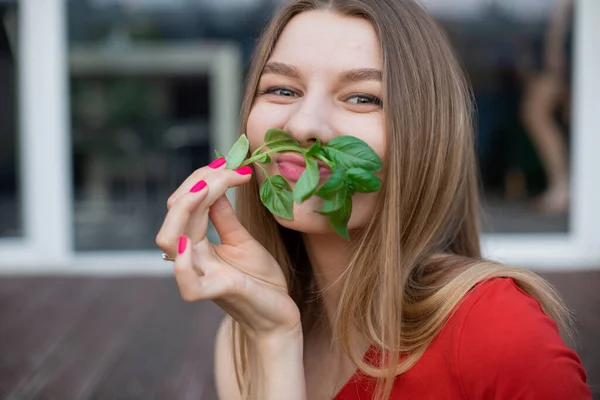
[322,80]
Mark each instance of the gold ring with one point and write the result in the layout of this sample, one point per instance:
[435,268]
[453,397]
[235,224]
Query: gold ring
[166,257]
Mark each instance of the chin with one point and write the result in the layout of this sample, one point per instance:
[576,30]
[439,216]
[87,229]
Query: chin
[308,220]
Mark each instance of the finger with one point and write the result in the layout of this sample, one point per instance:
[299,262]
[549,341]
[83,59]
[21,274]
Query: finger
[229,228]
[200,278]
[195,177]
[221,180]
[186,277]
[194,222]
[203,257]
[223,287]
[178,218]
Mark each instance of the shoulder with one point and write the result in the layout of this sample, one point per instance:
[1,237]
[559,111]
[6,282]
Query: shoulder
[506,344]
[225,377]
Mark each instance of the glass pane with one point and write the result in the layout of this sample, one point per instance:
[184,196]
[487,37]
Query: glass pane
[10,202]
[137,136]
[518,57]
[134,141]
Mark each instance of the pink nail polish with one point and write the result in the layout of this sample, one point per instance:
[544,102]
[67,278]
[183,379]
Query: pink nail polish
[182,244]
[198,187]
[246,170]
[217,163]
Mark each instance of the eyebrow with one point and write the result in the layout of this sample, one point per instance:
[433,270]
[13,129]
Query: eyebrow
[278,68]
[362,74]
[350,76]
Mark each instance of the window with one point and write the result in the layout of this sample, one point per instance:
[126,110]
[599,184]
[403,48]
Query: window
[518,57]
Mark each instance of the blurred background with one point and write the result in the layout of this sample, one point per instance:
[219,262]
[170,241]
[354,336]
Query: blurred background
[107,105]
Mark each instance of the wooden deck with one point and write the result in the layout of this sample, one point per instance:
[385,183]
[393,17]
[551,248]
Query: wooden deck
[134,338]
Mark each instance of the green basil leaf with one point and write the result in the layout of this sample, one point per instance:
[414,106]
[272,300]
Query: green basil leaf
[219,155]
[351,152]
[315,149]
[334,202]
[265,160]
[339,219]
[363,181]
[238,152]
[276,195]
[308,182]
[275,138]
[333,183]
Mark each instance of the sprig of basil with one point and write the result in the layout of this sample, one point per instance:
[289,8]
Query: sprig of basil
[353,165]
[308,182]
[351,152]
[275,138]
[333,184]
[339,219]
[363,181]
[276,195]
[238,152]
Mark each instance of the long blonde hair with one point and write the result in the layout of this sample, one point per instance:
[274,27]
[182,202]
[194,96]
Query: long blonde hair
[419,255]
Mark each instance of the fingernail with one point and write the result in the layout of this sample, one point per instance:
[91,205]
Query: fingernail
[198,187]
[217,163]
[182,244]
[246,170]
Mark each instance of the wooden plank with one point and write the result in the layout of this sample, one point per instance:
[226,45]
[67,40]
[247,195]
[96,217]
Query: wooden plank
[580,291]
[9,286]
[195,378]
[28,340]
[82,356]
[20,298]
[171,356]
[34,321]
[130,338]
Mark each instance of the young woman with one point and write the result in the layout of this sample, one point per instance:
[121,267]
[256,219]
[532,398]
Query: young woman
[407,309]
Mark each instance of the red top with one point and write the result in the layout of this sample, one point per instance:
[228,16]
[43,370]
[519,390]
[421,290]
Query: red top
[498,345]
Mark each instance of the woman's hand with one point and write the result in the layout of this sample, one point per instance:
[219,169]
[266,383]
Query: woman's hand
[239,274]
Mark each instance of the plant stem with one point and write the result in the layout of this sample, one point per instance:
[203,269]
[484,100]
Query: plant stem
[257,151]
[263,170]
[325,160]
[282,149]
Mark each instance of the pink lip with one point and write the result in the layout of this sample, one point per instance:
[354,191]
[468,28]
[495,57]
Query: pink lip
[292,165]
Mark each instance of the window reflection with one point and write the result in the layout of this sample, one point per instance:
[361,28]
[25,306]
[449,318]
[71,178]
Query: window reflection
[134,141]
[136,135]
[518,55]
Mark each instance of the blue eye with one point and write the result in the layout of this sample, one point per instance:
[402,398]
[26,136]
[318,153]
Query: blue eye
[279,91]
[365,99]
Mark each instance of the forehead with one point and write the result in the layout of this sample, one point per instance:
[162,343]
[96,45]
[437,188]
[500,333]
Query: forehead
[316,39]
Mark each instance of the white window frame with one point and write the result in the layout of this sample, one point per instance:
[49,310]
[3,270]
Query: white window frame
[45,168]
[44,153]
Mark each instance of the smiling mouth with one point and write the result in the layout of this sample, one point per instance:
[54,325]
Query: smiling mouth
[291,167]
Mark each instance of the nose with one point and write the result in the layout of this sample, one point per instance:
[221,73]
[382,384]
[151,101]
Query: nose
[311,121]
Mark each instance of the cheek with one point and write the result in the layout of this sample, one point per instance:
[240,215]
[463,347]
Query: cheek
[263,117]
[363,207]
[255,128]
[371,128]
[260,120]
[377,139]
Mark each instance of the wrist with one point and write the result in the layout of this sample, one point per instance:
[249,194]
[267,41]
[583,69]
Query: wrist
[276,343]
[278,367]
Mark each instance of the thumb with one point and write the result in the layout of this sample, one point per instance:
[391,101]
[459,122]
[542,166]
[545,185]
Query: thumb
[229,228]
